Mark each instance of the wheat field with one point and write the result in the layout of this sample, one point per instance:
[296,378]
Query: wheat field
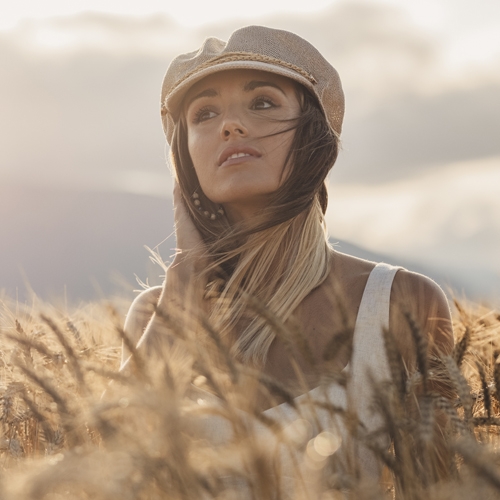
[73,426]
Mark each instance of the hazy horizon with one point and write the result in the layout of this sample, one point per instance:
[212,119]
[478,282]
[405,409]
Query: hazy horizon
[420,166]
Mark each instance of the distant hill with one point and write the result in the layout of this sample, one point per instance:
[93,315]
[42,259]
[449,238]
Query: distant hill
[82,244]
[86,245]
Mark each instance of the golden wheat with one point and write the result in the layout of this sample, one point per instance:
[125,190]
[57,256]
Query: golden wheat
[74,427]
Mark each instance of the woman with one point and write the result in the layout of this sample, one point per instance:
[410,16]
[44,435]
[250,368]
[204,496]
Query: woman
[254,127]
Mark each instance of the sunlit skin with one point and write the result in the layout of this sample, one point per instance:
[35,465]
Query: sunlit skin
[241,109]
[240,112]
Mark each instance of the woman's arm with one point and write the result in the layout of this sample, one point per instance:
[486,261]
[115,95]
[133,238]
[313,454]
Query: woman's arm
[420,320]
[183,286]
[417,298]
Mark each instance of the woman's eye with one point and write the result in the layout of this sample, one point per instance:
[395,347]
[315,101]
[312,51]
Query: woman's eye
[204,114]
[261,103]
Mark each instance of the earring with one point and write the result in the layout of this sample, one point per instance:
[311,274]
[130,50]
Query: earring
[196,200]
[206,213]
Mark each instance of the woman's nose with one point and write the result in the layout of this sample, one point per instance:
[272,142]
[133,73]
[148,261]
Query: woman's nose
[232,126]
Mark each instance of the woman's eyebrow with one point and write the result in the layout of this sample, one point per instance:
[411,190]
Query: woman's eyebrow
[210,92]
[254,84]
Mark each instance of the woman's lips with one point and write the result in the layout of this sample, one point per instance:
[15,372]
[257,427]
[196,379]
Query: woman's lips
[237,154]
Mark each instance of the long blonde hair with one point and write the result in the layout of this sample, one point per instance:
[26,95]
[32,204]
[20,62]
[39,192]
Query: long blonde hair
[279,257]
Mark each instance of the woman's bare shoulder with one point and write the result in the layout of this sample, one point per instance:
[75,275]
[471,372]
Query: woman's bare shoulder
[347,281]
[416,292]
[418,302]
[348,267]
[411,291]
[415,298]
[138,316]
[141,310]
[147,298]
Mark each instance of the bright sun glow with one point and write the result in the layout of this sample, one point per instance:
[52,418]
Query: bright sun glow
[466,34]
[187,13]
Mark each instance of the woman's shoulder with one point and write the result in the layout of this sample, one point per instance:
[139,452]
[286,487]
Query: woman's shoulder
[147,296]
[349,272]
[138,316]
[141,310]
[145,302]
[349,264]
[420,307]
[415,301]
[419,295]
[408,287]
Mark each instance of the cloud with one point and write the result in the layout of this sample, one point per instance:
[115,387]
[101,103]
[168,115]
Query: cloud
[99,31]
[79,113]
[91,106]
[413,133]
[365,40]
[80,110]
[448,217]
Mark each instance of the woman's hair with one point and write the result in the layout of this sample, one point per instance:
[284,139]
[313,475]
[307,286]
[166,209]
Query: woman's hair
[279,256]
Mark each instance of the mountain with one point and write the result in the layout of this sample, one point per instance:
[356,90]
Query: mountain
[81,244]
[85,245]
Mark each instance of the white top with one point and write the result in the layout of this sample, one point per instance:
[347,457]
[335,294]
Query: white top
[368,364]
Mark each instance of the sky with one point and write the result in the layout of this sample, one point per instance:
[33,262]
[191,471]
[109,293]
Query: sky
[185,13]
[191,13]
[419,170]
[468,29]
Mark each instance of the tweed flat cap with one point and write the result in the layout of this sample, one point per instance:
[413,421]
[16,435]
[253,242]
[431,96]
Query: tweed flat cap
[254,47]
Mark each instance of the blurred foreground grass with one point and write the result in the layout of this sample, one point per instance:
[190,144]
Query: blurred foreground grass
[72,426]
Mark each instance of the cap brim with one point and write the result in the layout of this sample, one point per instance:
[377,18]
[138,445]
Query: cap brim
[176,96]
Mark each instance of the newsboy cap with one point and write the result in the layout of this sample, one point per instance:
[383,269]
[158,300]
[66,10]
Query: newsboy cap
[259,48]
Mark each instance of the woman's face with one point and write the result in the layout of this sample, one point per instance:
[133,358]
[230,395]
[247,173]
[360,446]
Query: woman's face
[238,137]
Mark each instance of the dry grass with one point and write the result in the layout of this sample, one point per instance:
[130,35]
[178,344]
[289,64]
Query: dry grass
[73,427]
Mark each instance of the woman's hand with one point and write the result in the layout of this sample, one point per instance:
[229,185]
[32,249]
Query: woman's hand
[182,289]
[184,283]
[190,247]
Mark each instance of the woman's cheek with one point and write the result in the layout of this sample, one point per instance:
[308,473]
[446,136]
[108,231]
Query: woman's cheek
[201,149]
